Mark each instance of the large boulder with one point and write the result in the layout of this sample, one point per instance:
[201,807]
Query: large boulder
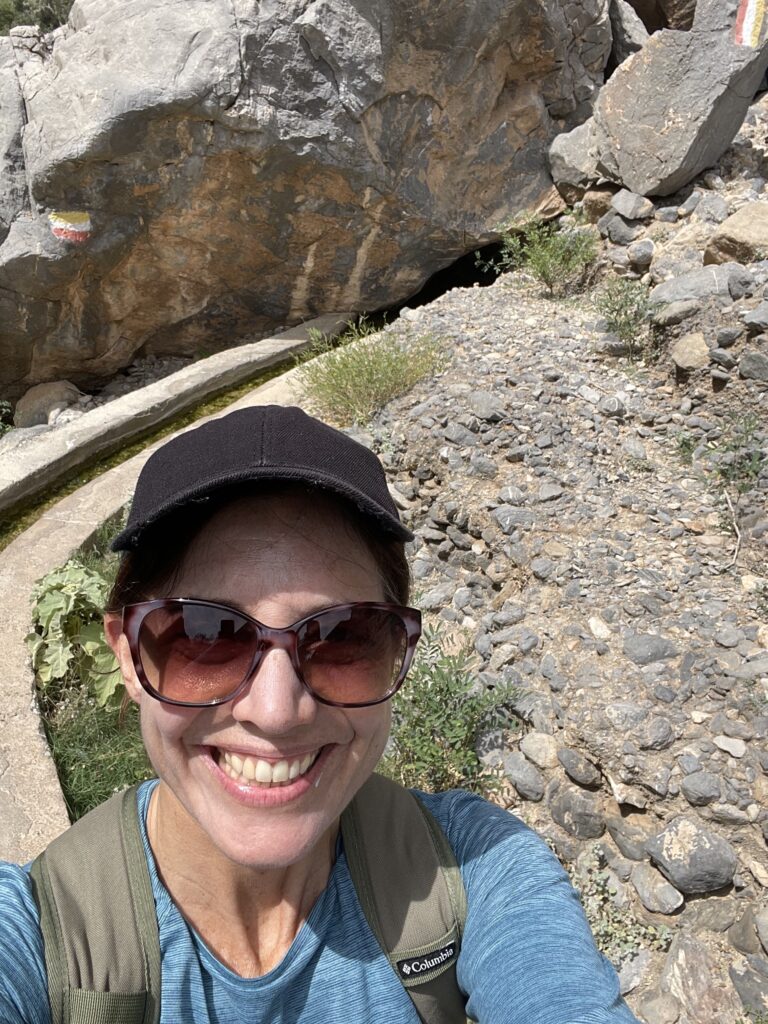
[205,169]
[670,110]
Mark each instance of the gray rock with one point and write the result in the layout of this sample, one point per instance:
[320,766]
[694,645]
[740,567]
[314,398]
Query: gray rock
[632,206]
[753,365]
[487,406]
[612,406]
[629,33]
[578,768]
[510,519]
[290,128]
[692,858]
[541,748]
[672,313]
[761,924]
[725,280]
[660,1008]
[743,933]
[688,968]
[641,252]
[701,788]
[672,110]
[690,352]
[621,231]
[711,209]
[42,403]
[572,160]
[751,982]
[757,319]
[656,734]
[646,648]
[550,492]
[578,812]
[524,776]
[655,892]
[731,745]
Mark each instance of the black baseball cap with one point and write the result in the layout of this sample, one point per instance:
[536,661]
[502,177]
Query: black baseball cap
[261,443]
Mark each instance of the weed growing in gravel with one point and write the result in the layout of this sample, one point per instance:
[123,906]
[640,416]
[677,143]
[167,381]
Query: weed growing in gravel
[626,308]
[357,375]
[686,446]
[619,934]
[437,717]
[740,455]
[560,258]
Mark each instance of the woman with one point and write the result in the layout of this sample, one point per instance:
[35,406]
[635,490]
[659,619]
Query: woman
[261,624]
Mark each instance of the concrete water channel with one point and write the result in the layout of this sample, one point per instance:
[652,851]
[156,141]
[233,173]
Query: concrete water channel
[32,809]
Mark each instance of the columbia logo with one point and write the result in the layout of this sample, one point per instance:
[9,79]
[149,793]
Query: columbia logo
[427,961]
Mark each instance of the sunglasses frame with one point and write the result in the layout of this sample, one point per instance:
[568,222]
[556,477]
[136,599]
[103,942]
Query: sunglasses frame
[285,639]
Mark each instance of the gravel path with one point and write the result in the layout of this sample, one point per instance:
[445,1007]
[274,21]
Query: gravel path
[562,525]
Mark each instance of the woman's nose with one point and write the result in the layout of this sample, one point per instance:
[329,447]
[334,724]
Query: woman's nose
[275,699]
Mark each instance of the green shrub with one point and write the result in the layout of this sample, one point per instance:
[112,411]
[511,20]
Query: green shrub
[438,716]
[67,643]
[626,307]
[357,376]
[48,14]
[560,258]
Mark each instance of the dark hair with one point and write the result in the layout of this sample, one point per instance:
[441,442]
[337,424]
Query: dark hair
[151,569]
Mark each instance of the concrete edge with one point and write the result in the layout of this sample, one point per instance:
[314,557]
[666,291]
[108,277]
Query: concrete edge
[32,809]
[29,469]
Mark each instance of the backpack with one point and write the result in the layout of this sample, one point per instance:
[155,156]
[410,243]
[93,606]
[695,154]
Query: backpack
[97,911]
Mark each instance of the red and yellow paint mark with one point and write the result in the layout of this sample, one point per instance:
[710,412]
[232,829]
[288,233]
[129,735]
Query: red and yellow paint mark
[70,225]
[749,22]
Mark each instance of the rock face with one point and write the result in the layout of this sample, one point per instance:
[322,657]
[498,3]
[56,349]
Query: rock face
[264,162]
[671,109]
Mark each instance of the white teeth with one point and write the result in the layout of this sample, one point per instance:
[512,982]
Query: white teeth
[264,773]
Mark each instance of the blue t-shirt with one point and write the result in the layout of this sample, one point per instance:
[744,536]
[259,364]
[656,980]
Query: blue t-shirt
[527,955]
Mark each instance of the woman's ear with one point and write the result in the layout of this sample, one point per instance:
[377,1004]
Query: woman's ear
[115,637]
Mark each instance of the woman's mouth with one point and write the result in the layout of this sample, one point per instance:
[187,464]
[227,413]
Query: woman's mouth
[254,771]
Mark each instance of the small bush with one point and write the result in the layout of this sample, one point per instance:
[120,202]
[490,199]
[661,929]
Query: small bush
[619,934]
[67,643]
[560,258]
[358,376]
[48,14]
[626,308]
[438,715]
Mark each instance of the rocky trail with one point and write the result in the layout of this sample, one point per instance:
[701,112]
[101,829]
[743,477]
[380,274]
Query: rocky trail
[563,526]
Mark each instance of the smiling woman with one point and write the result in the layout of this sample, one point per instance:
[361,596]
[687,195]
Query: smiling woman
[260,619]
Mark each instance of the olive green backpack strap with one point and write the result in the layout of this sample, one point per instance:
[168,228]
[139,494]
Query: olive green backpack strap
[97,916]
[410,889]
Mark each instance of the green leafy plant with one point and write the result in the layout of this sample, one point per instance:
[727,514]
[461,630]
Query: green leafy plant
[354,378]
[626,307]
[618,932]
[686,446]
[67,642]
[560,258]
[437,718]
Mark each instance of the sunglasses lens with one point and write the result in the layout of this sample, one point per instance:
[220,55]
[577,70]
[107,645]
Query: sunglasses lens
[352,655]
[196,653]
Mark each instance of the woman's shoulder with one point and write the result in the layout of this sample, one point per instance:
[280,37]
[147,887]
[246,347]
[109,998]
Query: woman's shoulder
[23,991]
[475,826]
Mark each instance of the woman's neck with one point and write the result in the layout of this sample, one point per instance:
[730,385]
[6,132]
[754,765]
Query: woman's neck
[248,917]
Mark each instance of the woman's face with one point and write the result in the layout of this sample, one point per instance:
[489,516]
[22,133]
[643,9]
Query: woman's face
[278,559]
